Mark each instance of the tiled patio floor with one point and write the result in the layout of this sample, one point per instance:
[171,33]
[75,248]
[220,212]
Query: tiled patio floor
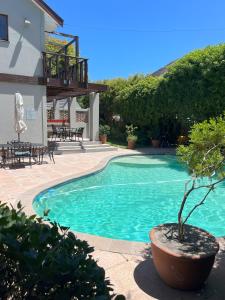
[131,272]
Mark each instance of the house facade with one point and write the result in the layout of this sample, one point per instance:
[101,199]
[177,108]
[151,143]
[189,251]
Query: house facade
[42,78]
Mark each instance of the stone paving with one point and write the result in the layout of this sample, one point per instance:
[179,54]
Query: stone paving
[128,265]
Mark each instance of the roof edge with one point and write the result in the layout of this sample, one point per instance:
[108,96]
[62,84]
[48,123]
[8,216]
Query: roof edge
[50,11]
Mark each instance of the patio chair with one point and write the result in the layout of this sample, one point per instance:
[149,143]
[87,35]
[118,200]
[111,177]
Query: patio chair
[52,147]
[73,132]
[3,155]
[20,152]
[64,133]
[54,132]
[79,133]
[7,155]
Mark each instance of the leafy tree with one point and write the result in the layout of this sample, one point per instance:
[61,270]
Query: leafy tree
[53,44]
[205,159]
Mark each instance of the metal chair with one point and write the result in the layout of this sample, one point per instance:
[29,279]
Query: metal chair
[3,155]
[20,152]
[52,147]
[73,132]
[54,132]
[79,133]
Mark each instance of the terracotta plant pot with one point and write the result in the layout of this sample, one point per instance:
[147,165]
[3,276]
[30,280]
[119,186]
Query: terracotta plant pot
[131,144]
[186,265]
[182,139]
[155,143]
[103,138]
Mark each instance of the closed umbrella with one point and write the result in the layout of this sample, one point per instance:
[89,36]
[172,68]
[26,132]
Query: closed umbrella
[20,125]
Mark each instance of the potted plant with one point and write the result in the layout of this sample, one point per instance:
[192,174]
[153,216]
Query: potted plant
[154,136]
[183,254]
[104,131]
[131,137]
[182,139]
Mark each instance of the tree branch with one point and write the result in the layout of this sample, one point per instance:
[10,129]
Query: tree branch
[210,187]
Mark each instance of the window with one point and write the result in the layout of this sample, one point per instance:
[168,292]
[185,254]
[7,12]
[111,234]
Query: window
[3,27]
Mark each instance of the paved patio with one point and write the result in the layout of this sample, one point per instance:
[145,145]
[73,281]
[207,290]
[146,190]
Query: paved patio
[128,265]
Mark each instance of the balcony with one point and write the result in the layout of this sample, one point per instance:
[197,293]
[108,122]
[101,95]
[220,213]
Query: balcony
[61,68]
[65,72]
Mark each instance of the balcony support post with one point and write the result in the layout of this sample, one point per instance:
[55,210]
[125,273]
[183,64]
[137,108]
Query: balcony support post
[94,116]
[72,111]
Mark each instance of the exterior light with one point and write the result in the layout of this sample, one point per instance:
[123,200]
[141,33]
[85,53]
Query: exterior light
[116,118]
[27,22]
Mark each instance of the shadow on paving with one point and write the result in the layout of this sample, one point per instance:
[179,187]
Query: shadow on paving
[149,282]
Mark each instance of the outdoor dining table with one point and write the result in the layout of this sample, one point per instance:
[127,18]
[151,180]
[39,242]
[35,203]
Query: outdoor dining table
[16,151]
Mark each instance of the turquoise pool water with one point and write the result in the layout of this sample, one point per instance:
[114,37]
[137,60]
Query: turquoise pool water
[129,197]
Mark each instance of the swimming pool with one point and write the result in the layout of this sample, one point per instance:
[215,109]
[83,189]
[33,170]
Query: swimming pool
[129,197]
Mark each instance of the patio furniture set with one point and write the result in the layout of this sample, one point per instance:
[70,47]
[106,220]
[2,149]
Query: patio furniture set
[65,133]
[17,154]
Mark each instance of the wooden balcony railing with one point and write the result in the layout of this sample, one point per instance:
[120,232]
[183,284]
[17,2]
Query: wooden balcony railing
[67,69]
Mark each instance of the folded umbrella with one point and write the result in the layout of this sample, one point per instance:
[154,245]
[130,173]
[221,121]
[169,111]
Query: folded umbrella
[20,125]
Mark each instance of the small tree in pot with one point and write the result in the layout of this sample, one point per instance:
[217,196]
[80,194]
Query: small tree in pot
[104,131]
[131,136]
[184,254]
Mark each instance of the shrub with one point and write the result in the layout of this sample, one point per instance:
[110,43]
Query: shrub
[132,138]
[130,131]
[117,133]
[192,90]
[38,261]
[104,130]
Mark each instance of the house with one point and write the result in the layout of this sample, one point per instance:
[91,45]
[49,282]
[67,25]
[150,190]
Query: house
[162,71]
[41,77]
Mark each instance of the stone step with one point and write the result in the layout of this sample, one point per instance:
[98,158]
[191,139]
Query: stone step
[77,143]
[96,146]
[65,144]
[100,149]
[69,147]
[88,147]
[92,143]
[68,151]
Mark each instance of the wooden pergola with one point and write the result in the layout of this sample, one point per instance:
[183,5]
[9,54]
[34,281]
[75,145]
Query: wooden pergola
[56,93]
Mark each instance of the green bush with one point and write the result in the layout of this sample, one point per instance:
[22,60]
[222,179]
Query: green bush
[104,130]
[130,131]
[38,261]
[191,91]
[117,133]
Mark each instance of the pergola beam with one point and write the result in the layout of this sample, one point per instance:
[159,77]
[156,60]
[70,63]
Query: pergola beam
[58,94]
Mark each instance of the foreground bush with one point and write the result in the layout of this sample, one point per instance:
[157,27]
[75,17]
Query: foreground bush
[38,261]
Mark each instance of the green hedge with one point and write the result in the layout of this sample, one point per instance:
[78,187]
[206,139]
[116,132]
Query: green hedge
[193,89]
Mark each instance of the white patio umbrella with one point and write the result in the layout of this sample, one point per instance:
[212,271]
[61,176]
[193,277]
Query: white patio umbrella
[20,125]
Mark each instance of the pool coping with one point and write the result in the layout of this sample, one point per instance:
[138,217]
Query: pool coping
[98,242]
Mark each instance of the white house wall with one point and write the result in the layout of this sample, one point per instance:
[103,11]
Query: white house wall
[22,54]
[35,112]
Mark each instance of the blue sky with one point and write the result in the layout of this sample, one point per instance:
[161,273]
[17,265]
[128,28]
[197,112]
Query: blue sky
[125,37]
